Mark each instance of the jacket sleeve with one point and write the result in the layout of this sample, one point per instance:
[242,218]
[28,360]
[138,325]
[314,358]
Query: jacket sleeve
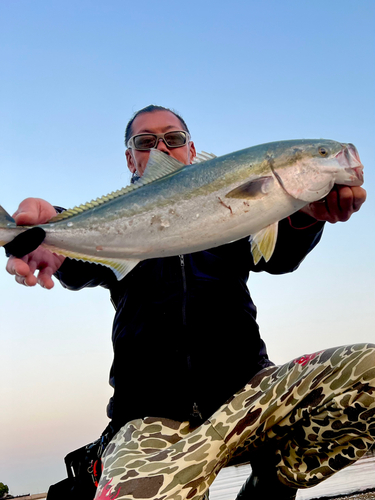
[75,275]
[297,236]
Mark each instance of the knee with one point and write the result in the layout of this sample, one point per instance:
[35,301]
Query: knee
[370,352]
[366,364]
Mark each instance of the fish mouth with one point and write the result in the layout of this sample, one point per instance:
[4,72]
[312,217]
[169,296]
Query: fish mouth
[349,159]
[359,173]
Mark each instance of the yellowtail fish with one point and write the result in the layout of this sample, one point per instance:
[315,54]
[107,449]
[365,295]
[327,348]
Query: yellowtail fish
[177,209]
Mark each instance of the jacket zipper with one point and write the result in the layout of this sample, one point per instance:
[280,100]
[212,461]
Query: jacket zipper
[196,414]
[182,264]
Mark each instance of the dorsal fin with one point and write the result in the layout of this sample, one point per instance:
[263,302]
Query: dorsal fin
[203,156]
[158,166]
[91,204]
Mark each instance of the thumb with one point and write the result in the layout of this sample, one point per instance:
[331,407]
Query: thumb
[33,211]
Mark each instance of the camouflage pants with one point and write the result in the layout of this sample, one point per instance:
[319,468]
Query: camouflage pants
[313,416]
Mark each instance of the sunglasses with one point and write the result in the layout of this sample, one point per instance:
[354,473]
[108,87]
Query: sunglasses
[144,142]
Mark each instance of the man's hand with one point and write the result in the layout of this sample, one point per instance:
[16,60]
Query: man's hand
[338,206]
[30,212]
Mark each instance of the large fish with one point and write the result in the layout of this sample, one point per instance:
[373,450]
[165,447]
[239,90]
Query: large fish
[175,209]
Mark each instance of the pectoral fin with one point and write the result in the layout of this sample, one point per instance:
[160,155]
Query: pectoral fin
[263,243]
[256,188]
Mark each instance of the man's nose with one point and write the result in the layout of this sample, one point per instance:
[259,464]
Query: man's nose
[161,146]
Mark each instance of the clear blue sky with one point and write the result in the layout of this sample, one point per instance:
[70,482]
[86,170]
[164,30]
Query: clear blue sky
[241,73]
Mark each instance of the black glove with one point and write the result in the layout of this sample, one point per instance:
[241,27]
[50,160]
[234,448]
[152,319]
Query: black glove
[25,242]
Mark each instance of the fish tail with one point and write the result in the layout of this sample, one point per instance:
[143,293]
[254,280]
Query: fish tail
[5,220]
[17,240]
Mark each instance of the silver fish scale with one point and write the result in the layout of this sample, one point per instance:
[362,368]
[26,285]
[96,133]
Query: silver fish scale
[200,206]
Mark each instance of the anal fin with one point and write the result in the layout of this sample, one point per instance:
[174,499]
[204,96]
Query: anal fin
[120,267]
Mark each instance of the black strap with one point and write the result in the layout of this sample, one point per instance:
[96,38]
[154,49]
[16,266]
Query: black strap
[25,242]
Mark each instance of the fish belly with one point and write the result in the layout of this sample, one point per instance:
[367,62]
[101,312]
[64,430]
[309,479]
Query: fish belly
[192,224]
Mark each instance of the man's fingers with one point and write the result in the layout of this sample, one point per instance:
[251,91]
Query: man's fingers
[24,273]
[21,271]
[342,205]
[29,280]
[28,213]
[339,205]
[343,201]
[33,211]
[359,197]
[45,278]
[21,280]
[17,267]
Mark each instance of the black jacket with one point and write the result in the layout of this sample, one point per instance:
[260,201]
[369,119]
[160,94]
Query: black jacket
[185,335]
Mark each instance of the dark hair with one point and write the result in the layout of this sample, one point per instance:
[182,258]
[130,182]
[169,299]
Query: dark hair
[150,109]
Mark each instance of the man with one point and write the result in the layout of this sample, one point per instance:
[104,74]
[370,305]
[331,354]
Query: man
[186,341]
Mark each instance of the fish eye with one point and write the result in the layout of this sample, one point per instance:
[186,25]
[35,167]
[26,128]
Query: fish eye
[323,151]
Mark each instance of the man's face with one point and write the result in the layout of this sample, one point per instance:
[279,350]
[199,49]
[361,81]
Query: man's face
[157,122]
